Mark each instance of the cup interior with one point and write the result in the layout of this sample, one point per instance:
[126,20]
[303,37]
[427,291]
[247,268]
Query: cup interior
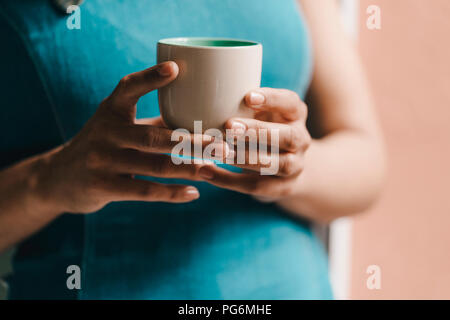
[208,42]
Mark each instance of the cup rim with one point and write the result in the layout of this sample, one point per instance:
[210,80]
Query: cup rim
[173,42]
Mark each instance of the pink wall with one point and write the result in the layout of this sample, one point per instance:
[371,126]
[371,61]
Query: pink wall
[407,234]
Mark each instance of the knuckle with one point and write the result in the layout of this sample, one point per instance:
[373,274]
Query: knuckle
[125,85]
[306,141]
[286,94]
[292,94]
[148,191]
[125,81]
[288,165]
[94,159]
[295,140]
[303,108]
[150,139]
[276,94]
[161,167]
[174,194]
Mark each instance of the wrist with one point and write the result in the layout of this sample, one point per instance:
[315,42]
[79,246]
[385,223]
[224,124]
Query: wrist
[41,202]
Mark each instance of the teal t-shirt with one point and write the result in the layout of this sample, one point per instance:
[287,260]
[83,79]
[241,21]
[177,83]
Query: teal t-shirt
[225,245]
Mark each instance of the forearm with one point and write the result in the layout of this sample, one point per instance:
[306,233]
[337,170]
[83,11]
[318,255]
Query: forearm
[343,175]
[23,208]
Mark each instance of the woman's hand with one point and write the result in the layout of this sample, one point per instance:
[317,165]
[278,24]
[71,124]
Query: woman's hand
[344,168]
[282,115]
[98,165]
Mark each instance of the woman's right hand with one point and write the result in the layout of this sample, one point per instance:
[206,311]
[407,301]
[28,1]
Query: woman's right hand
[98,165]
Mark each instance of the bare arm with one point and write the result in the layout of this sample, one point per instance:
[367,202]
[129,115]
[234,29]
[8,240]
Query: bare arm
[98,165]
[22,209]
[344,166]
[340,171]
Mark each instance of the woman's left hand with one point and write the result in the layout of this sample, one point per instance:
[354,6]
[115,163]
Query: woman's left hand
[277,111]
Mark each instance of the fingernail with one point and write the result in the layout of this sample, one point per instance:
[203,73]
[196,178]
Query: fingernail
[206,173]
[191,193]
[256,98]
[238,127]
[165,70]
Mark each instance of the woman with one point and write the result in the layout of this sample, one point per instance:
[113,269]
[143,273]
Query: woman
[207,233]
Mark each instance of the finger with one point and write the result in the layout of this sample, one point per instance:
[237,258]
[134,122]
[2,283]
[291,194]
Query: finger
[285,102]
[152,164]
[135,85]
[285,164]
[286,137]
[149,138]
[248,183]
[129,189]
[155,121]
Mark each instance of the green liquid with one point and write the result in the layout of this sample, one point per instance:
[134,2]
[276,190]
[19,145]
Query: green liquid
[208,42]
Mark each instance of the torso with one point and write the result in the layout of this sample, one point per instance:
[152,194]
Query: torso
[224,245]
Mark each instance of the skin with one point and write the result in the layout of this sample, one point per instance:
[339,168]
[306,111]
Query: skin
[98,165]
[339,172]
[330,166]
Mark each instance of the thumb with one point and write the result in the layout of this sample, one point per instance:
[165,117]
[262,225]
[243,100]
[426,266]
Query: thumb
[133,86]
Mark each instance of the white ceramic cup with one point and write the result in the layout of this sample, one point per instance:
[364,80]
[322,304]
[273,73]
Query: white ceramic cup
[214,76]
